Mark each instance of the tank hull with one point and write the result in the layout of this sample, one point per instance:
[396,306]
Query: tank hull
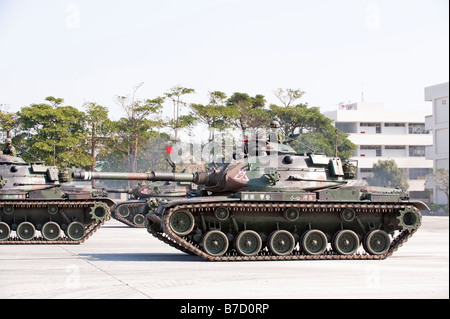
[229,229]
[39,205]
[51,221]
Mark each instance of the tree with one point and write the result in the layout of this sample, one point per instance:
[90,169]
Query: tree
[54,133]
[324,141]
[246,112]
[133,131]
[299,118]
[179,121]
[289,96]
[8,122]
[316,130]
[387,174]
[98,125]
[214,114]
[441,181]
[153,155]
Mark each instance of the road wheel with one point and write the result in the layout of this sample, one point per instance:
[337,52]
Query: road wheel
[314,242]
[51,231]
[345,242]
[377,242]
[215,243]
[181,222]
[75,231]
[281,242]
[25,231]
[5,231]
[248,243]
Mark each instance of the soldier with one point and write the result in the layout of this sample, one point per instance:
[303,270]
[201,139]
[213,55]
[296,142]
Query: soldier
[275,134]
[9,149]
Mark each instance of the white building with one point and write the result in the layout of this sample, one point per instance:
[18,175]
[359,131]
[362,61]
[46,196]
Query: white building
[438,124]
[384,135]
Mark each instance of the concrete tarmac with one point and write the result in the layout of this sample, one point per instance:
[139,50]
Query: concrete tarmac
[122,262]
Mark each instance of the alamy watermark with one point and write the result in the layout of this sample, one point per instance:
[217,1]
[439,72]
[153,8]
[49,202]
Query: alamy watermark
[73,16]
[225,148]
[73,277]
[373,16]
[373,277]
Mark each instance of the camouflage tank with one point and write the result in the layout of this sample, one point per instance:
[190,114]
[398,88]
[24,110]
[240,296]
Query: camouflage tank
[279,205]
[35,197]
[146,197]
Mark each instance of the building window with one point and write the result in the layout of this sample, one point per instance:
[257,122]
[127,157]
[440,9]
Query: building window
[417,128]
[417,151]
[371,149]
[394,124]
[394,147]
[419,173]
[376,125]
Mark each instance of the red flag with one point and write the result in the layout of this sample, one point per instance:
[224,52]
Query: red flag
[169,150]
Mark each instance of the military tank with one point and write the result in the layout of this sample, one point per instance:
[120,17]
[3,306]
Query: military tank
[279,205]
[35,197]
[146,197]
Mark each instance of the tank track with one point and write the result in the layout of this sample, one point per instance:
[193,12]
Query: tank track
[186,245]
[124,220]
[39,240]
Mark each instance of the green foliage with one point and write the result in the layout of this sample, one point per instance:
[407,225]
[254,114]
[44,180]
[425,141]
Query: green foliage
[323,141]
[131,133]
[8,121]
[179,121]
[300,118]
[387,174]
[98,126]
[54,133]
[215,114]
[315,129]
[246,112]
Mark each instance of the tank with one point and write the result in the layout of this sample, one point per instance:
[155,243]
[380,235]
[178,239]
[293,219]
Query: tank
[146,197]
[38,205]
[279,205]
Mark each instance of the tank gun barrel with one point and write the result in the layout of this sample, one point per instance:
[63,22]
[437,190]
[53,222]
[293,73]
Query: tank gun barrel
[152,176]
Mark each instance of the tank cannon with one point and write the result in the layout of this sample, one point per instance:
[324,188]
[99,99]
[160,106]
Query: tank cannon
[281,206]
[35,197]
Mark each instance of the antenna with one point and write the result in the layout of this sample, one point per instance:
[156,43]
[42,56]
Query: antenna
[336,143]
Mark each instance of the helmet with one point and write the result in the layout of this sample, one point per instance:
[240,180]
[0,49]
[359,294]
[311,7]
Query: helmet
[275,124]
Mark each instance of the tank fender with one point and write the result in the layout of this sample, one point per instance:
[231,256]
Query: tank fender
[419,205]
[208,199]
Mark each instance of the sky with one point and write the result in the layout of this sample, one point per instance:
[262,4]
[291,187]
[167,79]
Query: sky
[92,51]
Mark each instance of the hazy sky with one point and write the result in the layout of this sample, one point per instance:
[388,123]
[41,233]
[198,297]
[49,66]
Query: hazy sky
[94,50]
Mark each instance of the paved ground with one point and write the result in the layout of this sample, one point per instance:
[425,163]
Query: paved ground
[122,262]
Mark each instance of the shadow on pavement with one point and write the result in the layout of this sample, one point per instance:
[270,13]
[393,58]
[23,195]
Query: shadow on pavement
[141,257]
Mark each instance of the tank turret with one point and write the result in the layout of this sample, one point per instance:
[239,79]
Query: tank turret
[289,174]
[35,197]
[274,204]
